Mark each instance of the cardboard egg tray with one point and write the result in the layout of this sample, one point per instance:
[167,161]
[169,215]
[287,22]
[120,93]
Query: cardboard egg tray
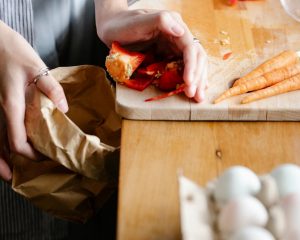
[200,211]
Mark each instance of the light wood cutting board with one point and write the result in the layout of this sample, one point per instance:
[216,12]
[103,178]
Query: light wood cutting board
[256,30]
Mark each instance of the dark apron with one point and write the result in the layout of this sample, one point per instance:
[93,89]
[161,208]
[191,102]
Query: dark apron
[65,33]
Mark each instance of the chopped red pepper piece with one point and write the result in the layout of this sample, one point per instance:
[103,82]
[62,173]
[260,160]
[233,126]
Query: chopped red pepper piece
[232,2]
[138,83]
[137,71]
[180,89]
[171,77]
[154,69]
[135,58]
[121,63]
[227,55]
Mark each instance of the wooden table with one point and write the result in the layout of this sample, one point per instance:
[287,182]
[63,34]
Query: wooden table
[152,152]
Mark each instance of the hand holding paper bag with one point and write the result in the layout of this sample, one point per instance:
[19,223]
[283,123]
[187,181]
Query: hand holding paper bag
[80,149]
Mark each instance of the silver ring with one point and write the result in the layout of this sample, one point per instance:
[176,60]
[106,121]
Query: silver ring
[196,40]
[42,72]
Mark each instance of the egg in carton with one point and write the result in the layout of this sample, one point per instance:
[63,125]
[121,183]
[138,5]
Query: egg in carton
[240,205]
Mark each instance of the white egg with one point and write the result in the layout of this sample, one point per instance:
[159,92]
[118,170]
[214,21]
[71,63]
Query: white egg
[277,222]
[268,193]
[291,208]
[252,233]
[293,235]
[235,182]
[287,177]
[241,212]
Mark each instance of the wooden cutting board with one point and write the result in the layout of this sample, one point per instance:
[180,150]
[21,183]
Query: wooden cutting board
[253,31]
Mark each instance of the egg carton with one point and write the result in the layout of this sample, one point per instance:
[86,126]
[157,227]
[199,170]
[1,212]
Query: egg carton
[240,205]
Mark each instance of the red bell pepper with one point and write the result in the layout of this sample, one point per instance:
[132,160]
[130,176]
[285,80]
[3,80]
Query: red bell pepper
[138,83]
[171,77]
[232,2]
[180,89]
[121,63]
[227,55]
[154,69]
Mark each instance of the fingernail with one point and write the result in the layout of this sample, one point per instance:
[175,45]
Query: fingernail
[177,30]
[192,90]
[63,106]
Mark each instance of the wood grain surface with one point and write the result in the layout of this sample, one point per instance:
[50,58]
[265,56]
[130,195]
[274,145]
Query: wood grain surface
[152,152]
[253,31]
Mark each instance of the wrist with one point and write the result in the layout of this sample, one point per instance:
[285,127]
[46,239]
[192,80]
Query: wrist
[105,10]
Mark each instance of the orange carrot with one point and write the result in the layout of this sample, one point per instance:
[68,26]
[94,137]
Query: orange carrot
[281,60]
[288,85]
[261,82]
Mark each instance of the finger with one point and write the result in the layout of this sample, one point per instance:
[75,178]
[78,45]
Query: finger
[200,93]
[190,61]
[189,51]
[54,91]
[14,111]
[162,21]
[205,74]
[190,91]
[201,76]
[189,74]
[168,24]
[5,172]
[206,77]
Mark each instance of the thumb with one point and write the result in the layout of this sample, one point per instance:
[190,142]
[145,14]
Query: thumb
[147,26]
[5,172]
[168,23]
[54,91]
[165,22]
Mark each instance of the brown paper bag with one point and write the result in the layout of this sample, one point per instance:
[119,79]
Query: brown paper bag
[77,170]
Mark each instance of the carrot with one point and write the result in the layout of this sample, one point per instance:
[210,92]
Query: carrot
[281,60]
[261,82]
[288,85]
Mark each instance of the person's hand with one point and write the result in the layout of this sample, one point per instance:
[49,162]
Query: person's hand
[169,30]
[19,64]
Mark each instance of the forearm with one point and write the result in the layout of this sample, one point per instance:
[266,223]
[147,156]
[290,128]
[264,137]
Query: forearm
[105,10]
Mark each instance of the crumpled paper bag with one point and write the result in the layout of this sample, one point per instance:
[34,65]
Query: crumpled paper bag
[77,169]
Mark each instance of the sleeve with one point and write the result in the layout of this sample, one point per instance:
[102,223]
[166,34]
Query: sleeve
[130,2]
[18,14]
